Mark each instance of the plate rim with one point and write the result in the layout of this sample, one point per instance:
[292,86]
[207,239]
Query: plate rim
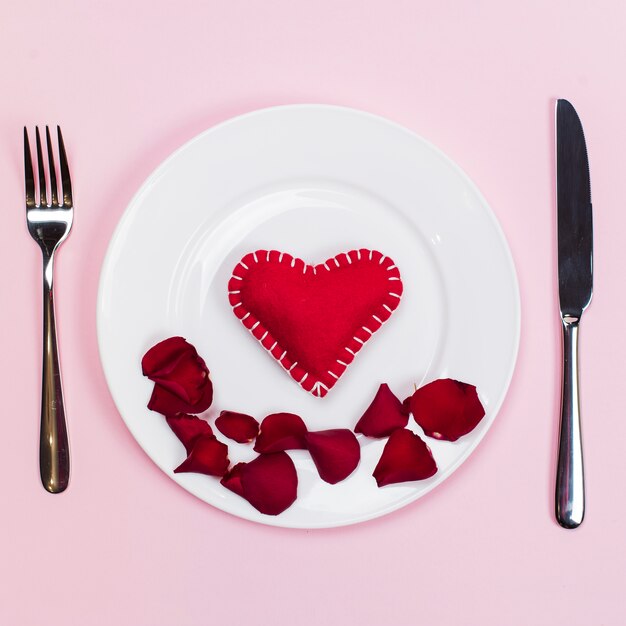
[132,207]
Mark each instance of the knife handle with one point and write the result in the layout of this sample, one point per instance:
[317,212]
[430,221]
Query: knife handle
[570,484]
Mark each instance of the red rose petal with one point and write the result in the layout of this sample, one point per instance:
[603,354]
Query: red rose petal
[406,406]
[171,363]
[188,428]
[181,377]
[240,427]
[161,357]
[166,403]
[232,479]
[405,457]
[281,431]
[384,415]
[336,453]
[208,456]
[270,483]
[447,409]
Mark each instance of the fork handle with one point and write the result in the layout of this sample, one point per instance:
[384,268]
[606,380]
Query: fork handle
[54,452]
[570,487]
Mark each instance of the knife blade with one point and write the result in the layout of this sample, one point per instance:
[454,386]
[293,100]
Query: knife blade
[575,229]
[575,273]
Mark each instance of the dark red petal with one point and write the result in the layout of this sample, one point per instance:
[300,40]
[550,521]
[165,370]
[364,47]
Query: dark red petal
[188,428]
[208,456]
[240,427]
[181,377]
[336,453]
[447,409]
[164,402]
[383,416]
[160,358]
[281,431]
[405,457]
[270,483]
[187,378]
[232,479]
[406,406]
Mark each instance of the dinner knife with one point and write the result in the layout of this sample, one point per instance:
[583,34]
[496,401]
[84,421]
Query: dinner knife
[575,271]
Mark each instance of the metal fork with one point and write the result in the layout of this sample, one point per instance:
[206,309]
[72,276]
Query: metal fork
[49,225]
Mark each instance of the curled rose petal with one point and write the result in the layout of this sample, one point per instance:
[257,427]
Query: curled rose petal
[281,431]
[335,452]
[240,427]
[208,456]
[188,428]
[405,457]
[270,483]
[384,415]
[406,406]
[447,409]
[232,479]
[180,376]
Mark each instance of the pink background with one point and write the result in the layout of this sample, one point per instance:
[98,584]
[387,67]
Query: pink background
[129,82]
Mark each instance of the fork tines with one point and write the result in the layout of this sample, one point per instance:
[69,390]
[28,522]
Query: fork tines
[66,184]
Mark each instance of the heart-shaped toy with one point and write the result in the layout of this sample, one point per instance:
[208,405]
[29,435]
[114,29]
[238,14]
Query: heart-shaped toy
[313,319]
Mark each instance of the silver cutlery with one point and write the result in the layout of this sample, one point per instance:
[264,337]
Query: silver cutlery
[575,271]
[49,225]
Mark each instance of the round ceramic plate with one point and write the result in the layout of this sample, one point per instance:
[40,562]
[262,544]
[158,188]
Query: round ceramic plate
[312,181]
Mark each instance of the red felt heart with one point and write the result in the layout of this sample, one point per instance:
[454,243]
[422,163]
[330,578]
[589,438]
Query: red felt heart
[313,319]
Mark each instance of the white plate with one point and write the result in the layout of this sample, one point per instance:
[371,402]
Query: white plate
[313,181]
